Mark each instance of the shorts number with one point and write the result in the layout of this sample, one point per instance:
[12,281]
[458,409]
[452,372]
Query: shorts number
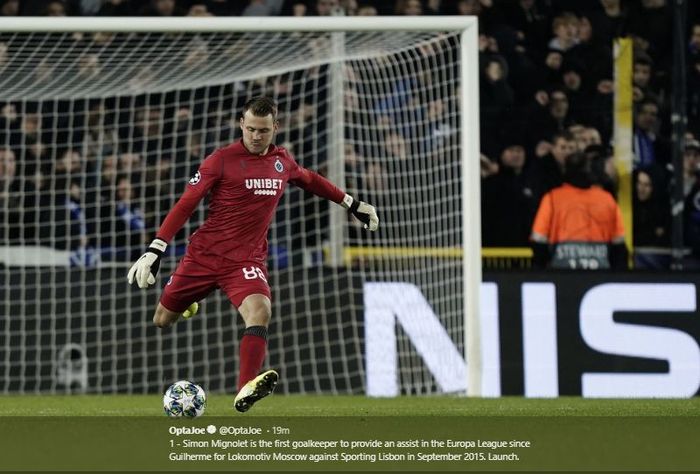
[252,273]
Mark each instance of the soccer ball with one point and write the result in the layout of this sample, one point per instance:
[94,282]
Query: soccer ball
[184,398]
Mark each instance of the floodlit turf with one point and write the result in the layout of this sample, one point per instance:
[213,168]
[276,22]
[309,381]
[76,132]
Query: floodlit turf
[299,405]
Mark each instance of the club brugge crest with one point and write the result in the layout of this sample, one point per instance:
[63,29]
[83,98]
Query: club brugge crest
[278,166]
[195,179]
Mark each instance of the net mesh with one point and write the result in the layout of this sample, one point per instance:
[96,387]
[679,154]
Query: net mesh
[99,133]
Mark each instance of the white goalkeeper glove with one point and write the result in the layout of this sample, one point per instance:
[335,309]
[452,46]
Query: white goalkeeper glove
[146,268]
[366,213]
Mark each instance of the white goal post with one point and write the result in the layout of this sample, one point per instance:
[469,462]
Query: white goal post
[58,71]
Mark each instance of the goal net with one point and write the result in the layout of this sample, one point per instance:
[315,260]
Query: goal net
[100,130]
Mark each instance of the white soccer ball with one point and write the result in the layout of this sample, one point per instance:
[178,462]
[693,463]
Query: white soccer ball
[184,398]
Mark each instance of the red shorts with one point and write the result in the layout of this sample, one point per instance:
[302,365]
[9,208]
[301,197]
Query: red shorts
[198,274]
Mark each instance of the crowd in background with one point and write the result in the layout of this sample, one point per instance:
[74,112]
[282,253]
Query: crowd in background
[546,78]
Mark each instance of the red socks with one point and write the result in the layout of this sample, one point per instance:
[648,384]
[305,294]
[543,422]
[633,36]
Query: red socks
[252,353]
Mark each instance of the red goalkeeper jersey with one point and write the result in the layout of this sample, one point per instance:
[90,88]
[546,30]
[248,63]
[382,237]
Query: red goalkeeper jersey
[245,190]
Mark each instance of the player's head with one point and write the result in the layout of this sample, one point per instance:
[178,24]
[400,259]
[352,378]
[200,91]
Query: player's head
[259,124]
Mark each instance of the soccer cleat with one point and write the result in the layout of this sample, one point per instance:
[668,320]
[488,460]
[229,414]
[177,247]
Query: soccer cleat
[260,387]
[191,311]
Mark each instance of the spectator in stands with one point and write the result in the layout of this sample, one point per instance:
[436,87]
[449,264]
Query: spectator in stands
[108,175]
[257,8]
[442,133]
[197,56]
[496,100]
[189,155]
[90,7]
[550,115]
[9,7]
[56,8]
[488,167]
[593,58]
[530,20]
[224,7]
[609,22]
[30,126]
[297,8]
[395,146]
[69,164]
[10,125]
[149,133]
[691,211]
[199,9]
[35,7]
[408,7]
[116,8]
[508,201]
[641,79]
[566,34]
[71,168]
[101,136]
[579,98]
[434,7]
[367,10]
[484,9]
[578,225]
[9,188]
[693,75]
[71,229]
[576,130]
[652,223]
[161,8]
[691,165]
[651,217]
[327,8]
[10,196]
[651,27]
[132,164]
[376,179]
[694,40]
[89,67]
[550,71]
[130,231]
[549,165]
[8,169]
[590,137]
[35,209]
[650,149]
[355,169]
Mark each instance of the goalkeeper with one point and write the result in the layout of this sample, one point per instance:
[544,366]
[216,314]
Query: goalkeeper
[245,181]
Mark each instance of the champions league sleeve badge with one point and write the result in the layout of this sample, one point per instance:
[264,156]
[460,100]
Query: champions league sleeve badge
[195,179]
[278,166]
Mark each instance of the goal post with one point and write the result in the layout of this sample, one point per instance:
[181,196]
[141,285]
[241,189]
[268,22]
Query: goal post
[107,118]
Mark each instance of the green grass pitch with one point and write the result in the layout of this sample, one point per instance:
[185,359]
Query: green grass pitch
[312,405]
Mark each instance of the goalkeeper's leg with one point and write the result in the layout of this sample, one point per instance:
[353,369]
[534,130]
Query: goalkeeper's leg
[191,282]
[260,387]
[164,318]
[255,311]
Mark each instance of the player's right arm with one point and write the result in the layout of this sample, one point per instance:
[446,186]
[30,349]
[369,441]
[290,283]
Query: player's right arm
[144,271]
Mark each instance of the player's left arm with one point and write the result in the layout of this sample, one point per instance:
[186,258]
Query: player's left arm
[320,186]
[145,269]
